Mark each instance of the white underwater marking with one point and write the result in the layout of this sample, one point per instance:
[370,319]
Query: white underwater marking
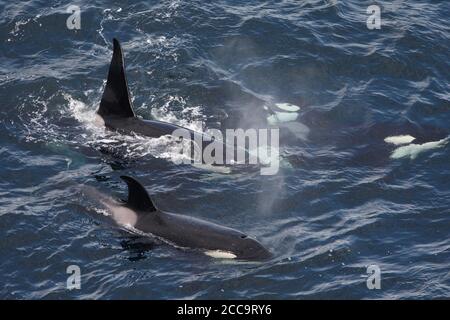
[413,150]
[399,140]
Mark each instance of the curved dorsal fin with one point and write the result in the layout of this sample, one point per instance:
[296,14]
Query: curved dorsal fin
[116,97]
[138,197]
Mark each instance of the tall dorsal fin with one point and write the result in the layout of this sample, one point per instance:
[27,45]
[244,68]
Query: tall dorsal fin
[138,197]
[116,97]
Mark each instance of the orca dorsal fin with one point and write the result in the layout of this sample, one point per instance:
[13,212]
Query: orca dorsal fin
[116,97]
[138,197]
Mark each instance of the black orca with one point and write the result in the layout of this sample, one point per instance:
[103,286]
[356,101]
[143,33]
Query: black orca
[116,108]
[140,213]
[116,111]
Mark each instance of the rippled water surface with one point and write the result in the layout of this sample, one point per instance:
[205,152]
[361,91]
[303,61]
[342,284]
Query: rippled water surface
[340,201]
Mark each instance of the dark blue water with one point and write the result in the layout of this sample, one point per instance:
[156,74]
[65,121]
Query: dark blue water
[339,201]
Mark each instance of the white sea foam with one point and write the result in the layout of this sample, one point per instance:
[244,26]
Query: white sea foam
[86,115]
[164,147]
[192,115]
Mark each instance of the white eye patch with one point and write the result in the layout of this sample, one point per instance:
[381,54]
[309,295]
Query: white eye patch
[219,254]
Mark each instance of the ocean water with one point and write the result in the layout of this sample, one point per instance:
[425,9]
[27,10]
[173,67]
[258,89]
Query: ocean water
[343,198]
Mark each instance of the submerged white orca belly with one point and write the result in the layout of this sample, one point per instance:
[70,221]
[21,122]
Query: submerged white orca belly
[413,150]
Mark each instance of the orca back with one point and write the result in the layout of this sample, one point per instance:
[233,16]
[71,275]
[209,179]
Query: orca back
[116,97]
